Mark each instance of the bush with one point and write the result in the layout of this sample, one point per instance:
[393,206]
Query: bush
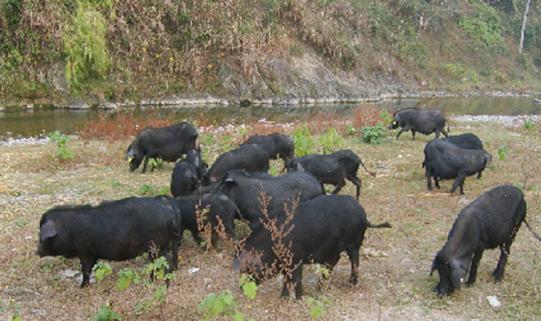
[374,134]
[484,27]
[304,143]
[85,47]
[63,153]
[330,141]
[106,314]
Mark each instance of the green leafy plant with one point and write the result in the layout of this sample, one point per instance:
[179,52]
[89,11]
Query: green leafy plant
[502,152]
[373,134]
[85,46]
[248,286]
[16,317]
[152,190]
[105,313]
[126,277]
[158,269]
[484,27]
[102,270]
[303,140]
[316,308]
[528,124]
[386,117]
[155,163]
[62,153]
[331,141]
[214,305]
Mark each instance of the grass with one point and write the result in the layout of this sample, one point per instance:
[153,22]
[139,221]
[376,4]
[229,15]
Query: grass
[393,285]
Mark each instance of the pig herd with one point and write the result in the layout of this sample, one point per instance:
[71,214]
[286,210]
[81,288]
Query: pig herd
[320,227]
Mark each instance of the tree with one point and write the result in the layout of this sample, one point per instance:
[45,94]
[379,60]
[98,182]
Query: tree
[524,18]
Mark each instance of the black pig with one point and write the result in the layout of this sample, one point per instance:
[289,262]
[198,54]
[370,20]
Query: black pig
[320,230]
[117,230]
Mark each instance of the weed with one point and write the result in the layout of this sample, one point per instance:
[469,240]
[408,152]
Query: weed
[330,141]
[105,313]
[528,124]
[102,270]
[248,286]
[304,143]
[374,134]
[155,163]
[152,190]
[367,116]
[502,152]
[316,308]
[62,153]
[126,277]
[16,317]
[157,269]
[214,305]
[386,117]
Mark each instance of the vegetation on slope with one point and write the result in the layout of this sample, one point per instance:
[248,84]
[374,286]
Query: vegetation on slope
[114,50]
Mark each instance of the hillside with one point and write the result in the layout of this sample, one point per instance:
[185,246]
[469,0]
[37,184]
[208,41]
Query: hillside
[107,50]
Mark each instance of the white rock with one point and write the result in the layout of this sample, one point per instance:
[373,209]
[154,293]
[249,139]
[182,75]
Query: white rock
[193,270]
[68,273]
[493,301]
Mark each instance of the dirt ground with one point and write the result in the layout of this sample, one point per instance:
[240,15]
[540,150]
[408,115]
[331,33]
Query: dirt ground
[394,282]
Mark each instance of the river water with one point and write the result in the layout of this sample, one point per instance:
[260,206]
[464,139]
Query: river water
[34,122]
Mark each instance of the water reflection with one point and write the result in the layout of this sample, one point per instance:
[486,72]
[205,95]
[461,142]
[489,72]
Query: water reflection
[38,121]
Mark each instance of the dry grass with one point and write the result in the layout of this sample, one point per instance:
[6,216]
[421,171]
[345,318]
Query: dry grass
[393,272]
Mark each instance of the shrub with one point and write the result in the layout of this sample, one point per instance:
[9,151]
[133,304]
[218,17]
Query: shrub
[331,141]
[62,153]
[528,124]
[85,46]
[502,152]
[105,313]
[484,27]
[303,140]
[374,134]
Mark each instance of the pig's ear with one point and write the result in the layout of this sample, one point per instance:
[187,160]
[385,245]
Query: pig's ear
[47,230]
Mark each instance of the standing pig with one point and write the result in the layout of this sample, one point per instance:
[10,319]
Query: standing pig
[276,145]
[118,230]
[251,158]
[320,230]
[246,191]
[426,121]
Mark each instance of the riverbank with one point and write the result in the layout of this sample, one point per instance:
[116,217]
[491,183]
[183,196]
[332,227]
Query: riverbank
[205,100]
[394,282]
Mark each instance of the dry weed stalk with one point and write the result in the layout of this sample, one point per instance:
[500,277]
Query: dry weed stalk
[203,224]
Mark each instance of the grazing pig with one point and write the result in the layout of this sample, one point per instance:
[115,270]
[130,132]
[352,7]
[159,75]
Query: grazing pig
[331,169]
[166,143]
[491,221]
[221,208]
[117,230]
[251,158]
[281,191]
[426,121]
[188,174]
[276,145]
[446,160]
[320,230]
